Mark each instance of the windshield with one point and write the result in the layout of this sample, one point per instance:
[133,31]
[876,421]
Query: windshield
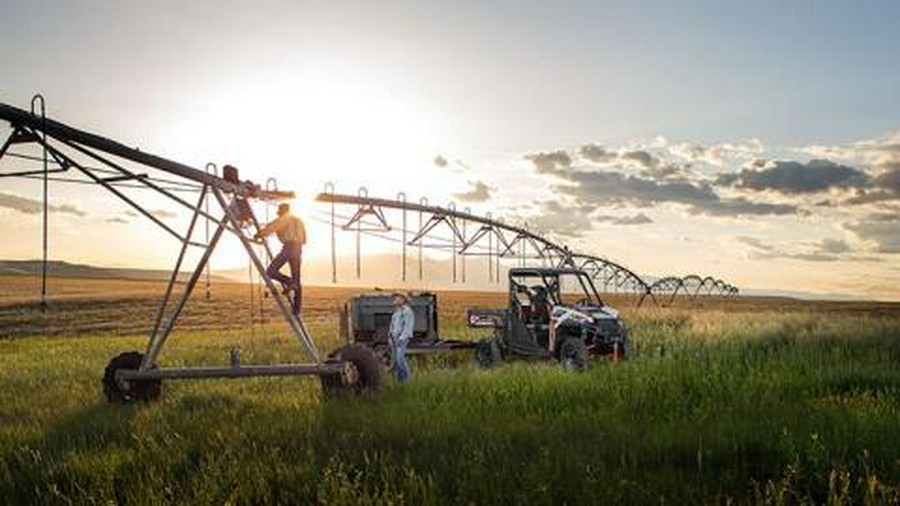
[565,288]
[577,289]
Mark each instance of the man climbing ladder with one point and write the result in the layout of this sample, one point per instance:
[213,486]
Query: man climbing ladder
[292,234]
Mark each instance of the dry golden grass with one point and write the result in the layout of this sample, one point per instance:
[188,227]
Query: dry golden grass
[128,307]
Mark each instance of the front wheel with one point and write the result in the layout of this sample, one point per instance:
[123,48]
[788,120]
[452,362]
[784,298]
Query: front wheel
[573,354]
[487,353]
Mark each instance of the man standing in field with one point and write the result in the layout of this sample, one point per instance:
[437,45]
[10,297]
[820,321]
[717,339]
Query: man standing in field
[402,322]
[292,234]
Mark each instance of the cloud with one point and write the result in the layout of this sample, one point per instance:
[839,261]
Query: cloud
[603,187]
[869,197]
[874,152]
[440,161]
[550,162]
[833,246]
[649,164]
[883,187]
[596,154]
[164,213]
[716,155]
[825,250]
[641,158]
[567,221]
[637,219]
[881,229]
[881,155]
[889,179]
[30,206]
[741,206]
[479,192]
[667,171]
[613,187]
[117,219]
[794,177]
[754,242]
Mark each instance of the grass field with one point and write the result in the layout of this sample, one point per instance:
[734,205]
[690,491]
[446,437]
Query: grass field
[753,401]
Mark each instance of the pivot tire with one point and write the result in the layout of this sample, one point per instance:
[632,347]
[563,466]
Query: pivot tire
[123,392]
[363,372]
[573,354]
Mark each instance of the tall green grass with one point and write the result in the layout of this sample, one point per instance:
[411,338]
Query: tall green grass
[712,408]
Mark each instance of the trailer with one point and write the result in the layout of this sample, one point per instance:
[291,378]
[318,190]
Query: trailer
[135,375]
[366,318]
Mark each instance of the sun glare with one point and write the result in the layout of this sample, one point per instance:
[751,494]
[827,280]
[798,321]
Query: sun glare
[309,132]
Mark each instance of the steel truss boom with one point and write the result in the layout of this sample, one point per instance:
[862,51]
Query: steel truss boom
[439,214]
[508,238]
[22,119]
[690,286]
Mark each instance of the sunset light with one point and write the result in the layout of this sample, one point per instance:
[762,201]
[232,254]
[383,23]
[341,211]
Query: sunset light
[445,252]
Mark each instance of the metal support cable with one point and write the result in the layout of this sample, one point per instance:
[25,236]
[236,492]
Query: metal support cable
[329,187]
[422,202]
[402,198]
[69,180]
[62,165]
[210,168]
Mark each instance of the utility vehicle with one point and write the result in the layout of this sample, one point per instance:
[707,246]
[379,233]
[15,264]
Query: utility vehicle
[553,313]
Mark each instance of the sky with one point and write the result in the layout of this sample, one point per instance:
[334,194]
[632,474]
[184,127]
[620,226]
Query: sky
[757,142]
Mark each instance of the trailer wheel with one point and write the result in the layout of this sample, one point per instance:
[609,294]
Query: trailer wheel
[487,353]
[364,371]
[573,354]
[386,354]
[123,392]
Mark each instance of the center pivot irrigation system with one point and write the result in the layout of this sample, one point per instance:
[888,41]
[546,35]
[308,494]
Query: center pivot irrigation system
[70,155]
[101,161]
[464,235]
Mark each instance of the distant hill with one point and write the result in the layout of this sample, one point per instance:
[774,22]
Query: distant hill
[69,270]
[379,270]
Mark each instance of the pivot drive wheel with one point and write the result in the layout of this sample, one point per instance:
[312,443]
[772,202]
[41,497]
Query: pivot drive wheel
[573,354]
[363,370]
[125,391]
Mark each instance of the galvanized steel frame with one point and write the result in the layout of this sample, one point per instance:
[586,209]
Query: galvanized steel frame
[66,145]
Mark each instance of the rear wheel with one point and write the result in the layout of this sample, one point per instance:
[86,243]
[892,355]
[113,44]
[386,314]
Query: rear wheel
[121,391]
[573,354]
[363,371]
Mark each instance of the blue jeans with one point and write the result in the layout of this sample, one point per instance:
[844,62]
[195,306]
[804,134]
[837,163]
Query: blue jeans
[290,254]
[401,366]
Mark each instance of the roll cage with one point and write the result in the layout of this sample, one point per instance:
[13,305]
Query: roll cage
[550,285]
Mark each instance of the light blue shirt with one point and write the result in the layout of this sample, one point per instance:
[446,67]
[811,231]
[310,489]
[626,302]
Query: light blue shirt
[402,322]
